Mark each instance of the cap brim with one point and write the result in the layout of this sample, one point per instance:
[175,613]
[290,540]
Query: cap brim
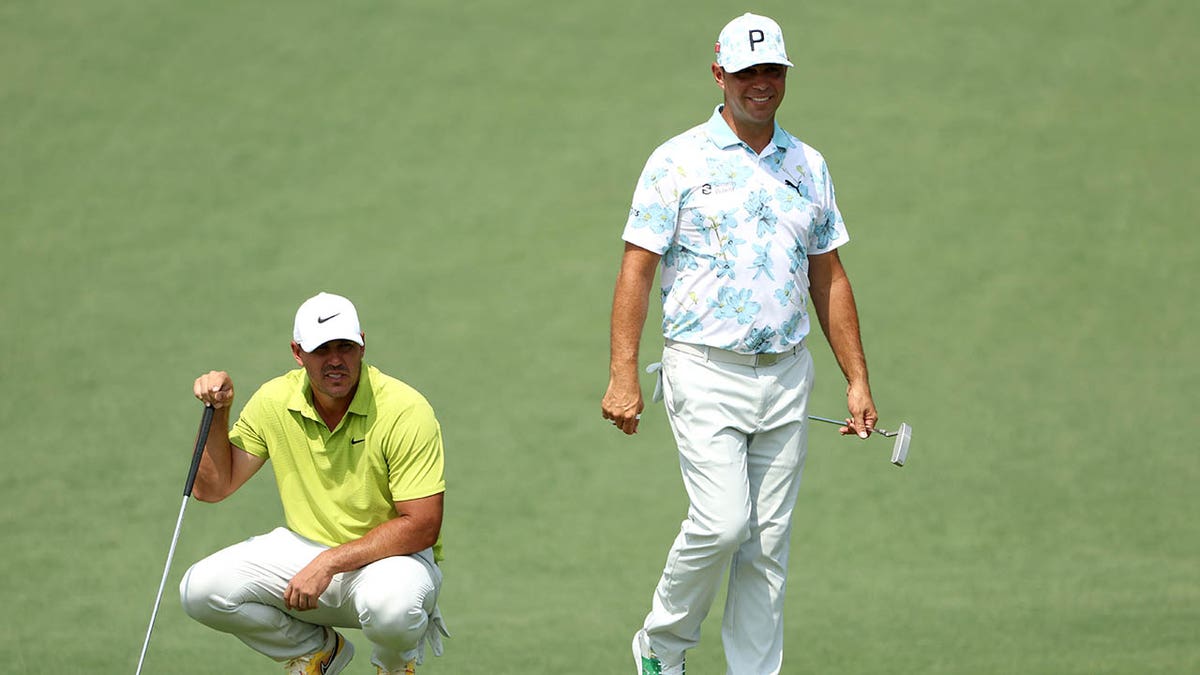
[312,344]
[738,67]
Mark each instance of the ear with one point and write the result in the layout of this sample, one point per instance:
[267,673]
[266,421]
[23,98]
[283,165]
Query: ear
[363,335]
[718,75]
[296,353]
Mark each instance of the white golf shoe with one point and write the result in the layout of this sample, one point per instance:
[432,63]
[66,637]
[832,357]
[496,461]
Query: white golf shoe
[647,662]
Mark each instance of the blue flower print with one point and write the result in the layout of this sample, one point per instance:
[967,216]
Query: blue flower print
[798,256]
[796,186]
[654,176]
[729,171]
[731,304]
[758,210]
[729,246]
[758,338]
[721,223]
[790,328]
[788,199]
[794,195]
[762,262]
[724,268]
[725,221]
[685,324]
[655,216]
[823,230]
[702,227]
[680,256]
[786,294]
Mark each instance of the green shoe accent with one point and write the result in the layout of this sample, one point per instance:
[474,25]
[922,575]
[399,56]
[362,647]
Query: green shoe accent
[651,666]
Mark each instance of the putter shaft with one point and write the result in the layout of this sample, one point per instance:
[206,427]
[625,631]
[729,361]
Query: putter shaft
[201,438]
[842,423]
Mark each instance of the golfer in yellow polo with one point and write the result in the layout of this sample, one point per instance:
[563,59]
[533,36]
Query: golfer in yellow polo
[357,457]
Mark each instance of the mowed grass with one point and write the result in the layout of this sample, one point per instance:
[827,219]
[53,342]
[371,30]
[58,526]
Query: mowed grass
[1017,177]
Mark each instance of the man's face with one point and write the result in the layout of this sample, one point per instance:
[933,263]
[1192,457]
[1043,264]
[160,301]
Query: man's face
[333,367]
[753,94]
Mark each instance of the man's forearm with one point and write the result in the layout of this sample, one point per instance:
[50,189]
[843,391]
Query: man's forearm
[409,533]
[843,332]
[395,537]
[833,303]
[628,320]
[406,534]
[215,473]
[630,307]
[622,402]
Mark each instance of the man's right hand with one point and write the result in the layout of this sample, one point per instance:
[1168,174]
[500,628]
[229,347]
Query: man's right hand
[623,405]
[214,388]
[623,401]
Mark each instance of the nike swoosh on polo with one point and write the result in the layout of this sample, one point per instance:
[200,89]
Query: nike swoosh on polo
[356,441]
[323,320]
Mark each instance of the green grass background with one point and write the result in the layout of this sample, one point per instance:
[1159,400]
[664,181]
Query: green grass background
[1018,176]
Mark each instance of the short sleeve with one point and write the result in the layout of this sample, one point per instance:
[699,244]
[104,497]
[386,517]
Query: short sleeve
[413,450]
[655,208]
[246,432]
[829,230]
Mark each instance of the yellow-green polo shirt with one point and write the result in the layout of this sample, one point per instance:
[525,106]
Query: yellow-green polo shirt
[338,485]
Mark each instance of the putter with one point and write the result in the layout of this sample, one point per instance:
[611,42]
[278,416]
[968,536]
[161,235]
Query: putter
[903,437]
[201,438]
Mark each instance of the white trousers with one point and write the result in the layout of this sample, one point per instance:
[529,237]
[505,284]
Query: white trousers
[742,437]
[239,590]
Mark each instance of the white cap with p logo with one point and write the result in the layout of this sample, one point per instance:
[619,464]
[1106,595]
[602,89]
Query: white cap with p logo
[750,40]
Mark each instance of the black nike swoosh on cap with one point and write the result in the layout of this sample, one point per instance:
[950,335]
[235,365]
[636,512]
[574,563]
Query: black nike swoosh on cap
[324,319]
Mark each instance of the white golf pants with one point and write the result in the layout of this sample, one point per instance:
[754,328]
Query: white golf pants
[741,432]
[239,590]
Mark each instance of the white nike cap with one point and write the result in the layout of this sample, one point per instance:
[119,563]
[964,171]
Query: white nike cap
[326,317]
[748,41]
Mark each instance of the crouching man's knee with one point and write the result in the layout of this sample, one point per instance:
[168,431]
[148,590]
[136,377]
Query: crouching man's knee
[203,595]
[395,600]
[398,627]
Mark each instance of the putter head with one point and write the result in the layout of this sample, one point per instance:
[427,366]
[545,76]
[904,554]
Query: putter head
[900,449]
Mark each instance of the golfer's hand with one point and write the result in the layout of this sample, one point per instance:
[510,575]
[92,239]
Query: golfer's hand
[214,388]
[862,410]
[622,404]
[304,591]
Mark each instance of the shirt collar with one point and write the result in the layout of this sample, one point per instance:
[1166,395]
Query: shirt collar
[719,132]
[301,400]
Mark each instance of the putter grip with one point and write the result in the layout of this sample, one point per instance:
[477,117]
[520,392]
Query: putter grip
[201,439]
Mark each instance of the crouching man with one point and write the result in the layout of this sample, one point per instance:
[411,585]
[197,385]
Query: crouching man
[358,462]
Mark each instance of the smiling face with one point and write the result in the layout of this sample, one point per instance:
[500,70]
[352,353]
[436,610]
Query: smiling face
[752,95]
[332,368]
